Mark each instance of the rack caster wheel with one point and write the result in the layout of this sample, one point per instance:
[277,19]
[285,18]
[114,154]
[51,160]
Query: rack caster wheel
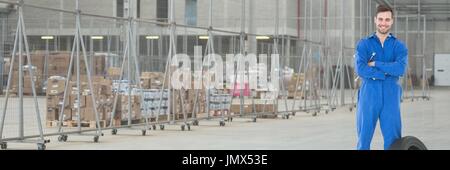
[254,119]
[326,111]
[293,113]
[154,127]
[96,139]
[4,145]
[62,138]
[182,127]
[144,132]
[412,100]
[114,131]
[41,146]
[287,116]
[195,123]
[222,123]
[188,127]
[161,127]
[314,114]
[351,109]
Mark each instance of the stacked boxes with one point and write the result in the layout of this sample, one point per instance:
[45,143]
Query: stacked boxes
[57,65]
[152,101]
[153,80]
[292,85]
[55,96]
[123,104]
[201,97]
[114,73]
[101,89]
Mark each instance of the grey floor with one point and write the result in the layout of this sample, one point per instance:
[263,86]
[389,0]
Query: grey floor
[427,120]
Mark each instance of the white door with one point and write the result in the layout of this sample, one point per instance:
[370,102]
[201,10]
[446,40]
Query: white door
[442,69]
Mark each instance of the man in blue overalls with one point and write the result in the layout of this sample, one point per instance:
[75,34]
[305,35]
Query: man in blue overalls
[380,60]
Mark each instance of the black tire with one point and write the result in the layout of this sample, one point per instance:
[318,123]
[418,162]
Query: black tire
[408,143]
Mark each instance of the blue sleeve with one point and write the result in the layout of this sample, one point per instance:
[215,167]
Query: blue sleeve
[396,68]
[361,64]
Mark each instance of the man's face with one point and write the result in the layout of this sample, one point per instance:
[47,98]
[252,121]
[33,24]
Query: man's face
[384,21]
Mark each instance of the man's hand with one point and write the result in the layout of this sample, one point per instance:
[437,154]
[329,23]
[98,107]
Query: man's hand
[372,64]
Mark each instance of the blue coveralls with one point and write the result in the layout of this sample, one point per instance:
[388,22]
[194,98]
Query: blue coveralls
[380,93]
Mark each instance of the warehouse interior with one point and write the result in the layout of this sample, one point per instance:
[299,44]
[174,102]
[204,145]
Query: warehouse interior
[271,74]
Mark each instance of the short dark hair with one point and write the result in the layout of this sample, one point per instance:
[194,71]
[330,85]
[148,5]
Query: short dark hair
[384,8]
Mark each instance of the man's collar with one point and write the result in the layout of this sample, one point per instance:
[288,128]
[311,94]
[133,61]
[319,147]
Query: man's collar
[374,35]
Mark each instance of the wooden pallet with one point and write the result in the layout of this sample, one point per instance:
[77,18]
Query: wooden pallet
[73,123]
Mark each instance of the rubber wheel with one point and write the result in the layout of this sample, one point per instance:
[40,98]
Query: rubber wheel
[41,146]
[195,123]
[154,127]
[143,132]
[114,131]
[182,127]
[188,127]
[408,143]
[314,114]
[96,139]
[60,138]
[4,146]
[161,127]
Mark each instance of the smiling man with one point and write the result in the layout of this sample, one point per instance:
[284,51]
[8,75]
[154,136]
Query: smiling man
[380,59]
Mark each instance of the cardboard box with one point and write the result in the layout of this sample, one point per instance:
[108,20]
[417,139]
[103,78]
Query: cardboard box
[74,101]
[52,101]
[55,85]
[88,114]
[235,108]
[266,107]
[114,72]
[53,114]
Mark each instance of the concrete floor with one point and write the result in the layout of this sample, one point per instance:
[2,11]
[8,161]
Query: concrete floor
[427,120]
